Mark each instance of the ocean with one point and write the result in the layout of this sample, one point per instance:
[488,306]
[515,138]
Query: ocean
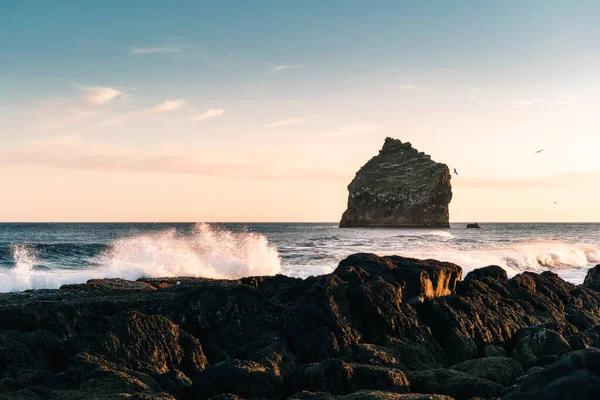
[48,255]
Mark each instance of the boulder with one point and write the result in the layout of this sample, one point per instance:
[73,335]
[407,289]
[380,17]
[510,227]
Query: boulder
[406,356]
[491,271]
[588,338]
[417,279]
[494,351]
[453,383]
[576,377]
[502,370]
[539,345]
[337,377]
[592,278]
[473,226]
[149,343]
[247,379]
[400,187]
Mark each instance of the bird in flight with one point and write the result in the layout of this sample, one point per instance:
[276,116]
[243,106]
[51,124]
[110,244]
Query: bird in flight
[455,171]
[539,151]
[555,203]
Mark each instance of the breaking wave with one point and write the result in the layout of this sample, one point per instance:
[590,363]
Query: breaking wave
[571,261]
[207,252]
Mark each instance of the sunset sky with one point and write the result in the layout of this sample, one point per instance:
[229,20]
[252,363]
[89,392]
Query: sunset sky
[264,110]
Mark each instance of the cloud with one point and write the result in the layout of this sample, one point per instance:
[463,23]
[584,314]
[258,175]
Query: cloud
[277,68]
[140,51]
[283,122]
[353,130]
[167,106]
[210,113]
[74,152]
[162,108]
[98,95]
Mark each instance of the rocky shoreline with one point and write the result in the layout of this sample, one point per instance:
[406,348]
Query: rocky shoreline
[375,328]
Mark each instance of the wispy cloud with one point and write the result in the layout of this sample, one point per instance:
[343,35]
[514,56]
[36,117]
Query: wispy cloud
[162,108]
[353,130]
[98,95]
[140,51]
[167,106]
[210,113]
[283,122]
[277,68]
[74,152]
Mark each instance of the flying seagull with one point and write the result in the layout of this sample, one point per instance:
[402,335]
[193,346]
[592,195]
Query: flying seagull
[539,151]
[455,171]
[555,203]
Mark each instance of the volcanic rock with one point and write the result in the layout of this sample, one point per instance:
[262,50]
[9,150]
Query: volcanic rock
[400,187]
[375,328]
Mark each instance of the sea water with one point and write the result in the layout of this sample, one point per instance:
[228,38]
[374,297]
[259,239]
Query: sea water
[35,256]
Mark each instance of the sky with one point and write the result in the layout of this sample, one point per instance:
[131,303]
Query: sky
[264,110]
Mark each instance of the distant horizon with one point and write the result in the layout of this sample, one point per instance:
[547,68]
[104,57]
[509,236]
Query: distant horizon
[293,222]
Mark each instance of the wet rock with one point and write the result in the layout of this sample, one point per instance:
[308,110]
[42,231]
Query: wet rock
[406,356]
[242,378]
[588,338]
[494,351]
[338,377]
[319,324]
[473,226]
[539,345]
[155,338]
[368,395]
[400,187]
[491,271]
[592,278]
[576,377]
[141,342]
[34,350]
[502,370]
[95,378]
[450,382]
[418,279]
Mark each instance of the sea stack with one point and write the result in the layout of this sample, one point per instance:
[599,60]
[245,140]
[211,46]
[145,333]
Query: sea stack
[399,188]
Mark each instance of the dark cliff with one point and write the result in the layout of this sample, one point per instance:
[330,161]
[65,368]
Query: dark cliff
[375,328]
[400,187]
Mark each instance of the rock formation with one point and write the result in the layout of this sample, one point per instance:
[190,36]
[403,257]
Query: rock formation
[400,187]
[375,328]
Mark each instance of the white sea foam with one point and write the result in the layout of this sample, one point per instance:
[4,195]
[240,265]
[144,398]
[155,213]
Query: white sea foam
[571,261]
[208,252]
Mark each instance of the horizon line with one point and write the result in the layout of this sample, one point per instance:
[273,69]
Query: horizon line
[287,222]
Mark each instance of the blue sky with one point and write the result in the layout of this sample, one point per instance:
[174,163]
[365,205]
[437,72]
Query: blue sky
[278,99]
